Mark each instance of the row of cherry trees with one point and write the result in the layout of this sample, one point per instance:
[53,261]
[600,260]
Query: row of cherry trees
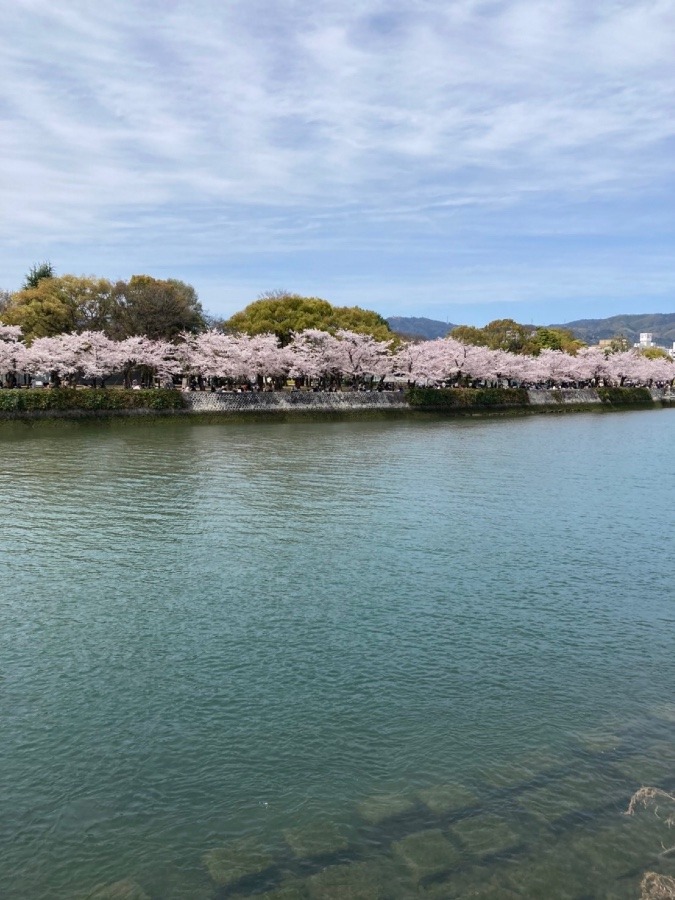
[317,357]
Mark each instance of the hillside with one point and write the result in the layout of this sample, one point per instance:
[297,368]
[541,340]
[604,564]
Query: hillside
[410,326]
[662,326]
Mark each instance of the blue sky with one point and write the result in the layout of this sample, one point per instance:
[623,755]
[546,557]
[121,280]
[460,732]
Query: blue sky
[462,160]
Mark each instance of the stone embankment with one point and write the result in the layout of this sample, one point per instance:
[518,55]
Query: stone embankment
[294,401]
[564,397]
[585,397]
[303,402]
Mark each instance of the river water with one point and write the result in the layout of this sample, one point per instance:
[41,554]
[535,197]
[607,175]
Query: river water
[416,657]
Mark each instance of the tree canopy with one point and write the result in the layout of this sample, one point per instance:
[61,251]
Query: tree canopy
[155,308]
[37,272]
[283,314]
[56,305]
[70,303]
[507,334]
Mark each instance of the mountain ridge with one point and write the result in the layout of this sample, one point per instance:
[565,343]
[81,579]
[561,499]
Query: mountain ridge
[661,325]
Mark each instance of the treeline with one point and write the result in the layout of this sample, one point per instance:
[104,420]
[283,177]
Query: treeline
[313,358]
[48,305]
[73,328]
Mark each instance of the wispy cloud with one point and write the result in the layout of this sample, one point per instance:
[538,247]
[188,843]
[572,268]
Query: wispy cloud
[193,133]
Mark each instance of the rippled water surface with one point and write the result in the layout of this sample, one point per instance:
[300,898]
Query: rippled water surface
[388,659]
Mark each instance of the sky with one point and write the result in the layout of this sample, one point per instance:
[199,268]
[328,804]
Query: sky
[463,160]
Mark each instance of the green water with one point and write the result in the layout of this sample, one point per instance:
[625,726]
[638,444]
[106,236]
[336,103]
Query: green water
[405,658]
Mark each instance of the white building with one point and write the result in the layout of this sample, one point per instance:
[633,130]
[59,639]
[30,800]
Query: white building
[646,340]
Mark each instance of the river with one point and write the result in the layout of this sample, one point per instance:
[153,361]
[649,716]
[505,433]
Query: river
[348,659]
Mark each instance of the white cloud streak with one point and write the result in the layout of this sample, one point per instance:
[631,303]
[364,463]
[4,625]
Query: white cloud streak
[193,126]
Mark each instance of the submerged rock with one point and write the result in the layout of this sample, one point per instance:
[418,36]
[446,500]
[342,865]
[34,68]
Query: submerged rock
[655,765]
[486,834]
[316,839]
[600,741]
[119,890]
[380,807]
[476,883]
[293,889]
[427,853]
[444,798]
[237,860]
[508,775]
[566,796]
[360,881]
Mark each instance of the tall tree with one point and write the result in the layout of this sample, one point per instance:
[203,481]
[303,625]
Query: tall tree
[155,308]
[68,303]
[507,334]
[37,272]
[284,314]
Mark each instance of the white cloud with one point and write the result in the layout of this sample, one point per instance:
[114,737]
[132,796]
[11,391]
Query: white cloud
[192,126]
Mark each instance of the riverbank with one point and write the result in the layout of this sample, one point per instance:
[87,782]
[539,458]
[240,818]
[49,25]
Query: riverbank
[66,403]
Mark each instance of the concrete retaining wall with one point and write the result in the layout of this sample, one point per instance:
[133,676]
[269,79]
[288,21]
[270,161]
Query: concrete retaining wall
[564,397]
[294,401]
[300,402]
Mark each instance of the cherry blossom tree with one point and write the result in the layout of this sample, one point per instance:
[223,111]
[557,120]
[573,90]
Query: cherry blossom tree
[314,355]
[12,354]
[362,357]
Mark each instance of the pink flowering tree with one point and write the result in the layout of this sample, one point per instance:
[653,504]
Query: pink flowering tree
[96,355]
[315,355]
[265,358]
[12,354]
[363,359]
[54,355]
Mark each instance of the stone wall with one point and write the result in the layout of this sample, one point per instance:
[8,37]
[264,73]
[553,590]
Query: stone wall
[293,401]
[564,397]
[299,401]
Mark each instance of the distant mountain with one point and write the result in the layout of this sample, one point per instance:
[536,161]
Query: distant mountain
[590,331]
[410,326]
[661,325]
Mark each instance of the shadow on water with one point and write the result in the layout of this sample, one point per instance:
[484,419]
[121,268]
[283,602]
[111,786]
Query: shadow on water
[427,850]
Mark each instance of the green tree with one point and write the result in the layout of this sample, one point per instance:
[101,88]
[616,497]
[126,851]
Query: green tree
[553,339]
[507,334]
[64,304]
[156,308]
[282,313]
[655,353]
[618,343]
[37,273]
[500,334]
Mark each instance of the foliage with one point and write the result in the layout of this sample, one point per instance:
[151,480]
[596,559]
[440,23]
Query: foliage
[284,314]
[37,273]
[160,310]
[625,396]
[57,305]
[70,399]
[551,338]
[467,398]
[142,306]
[509,335]
[654,353]
[619,343]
